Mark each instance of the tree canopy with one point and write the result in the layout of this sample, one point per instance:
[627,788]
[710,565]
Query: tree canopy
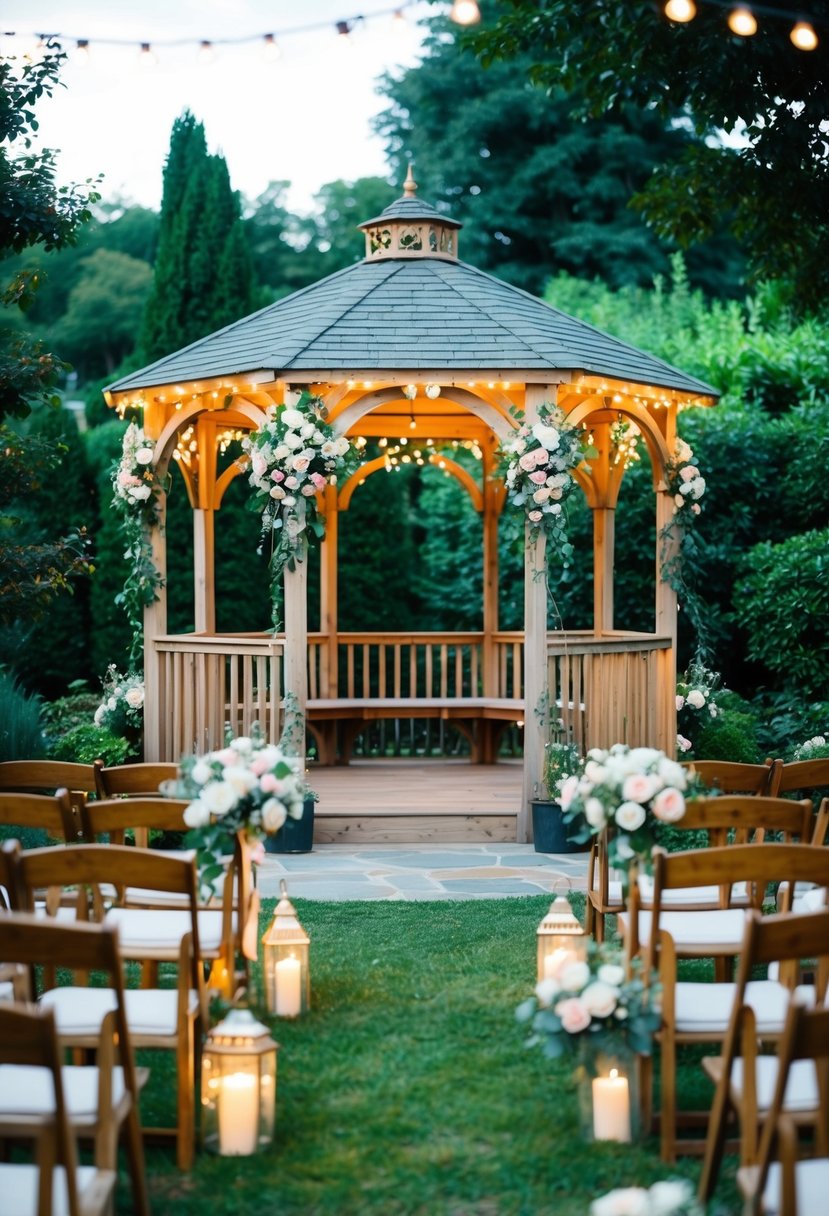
[758,106]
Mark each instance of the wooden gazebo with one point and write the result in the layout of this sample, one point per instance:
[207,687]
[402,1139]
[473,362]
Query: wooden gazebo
[412,344]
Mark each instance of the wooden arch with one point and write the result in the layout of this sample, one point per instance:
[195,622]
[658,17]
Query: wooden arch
[499,423]
[439,461]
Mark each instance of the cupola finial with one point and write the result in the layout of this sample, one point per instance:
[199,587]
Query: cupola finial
[410,185]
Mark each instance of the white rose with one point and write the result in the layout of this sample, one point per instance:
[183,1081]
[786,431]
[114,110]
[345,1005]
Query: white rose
[541,495]
[630,1201]
[144,456]
[612,974]
[201,772]
[282,452]
[329,449]
[135,697]
[242,744]
[668,1197]
[630,816]
[697,487]
[293,418]
[595,772]
[240,779]
[574,976]
[99,715]
[547,991]
[341,445]
[307,430]
[600,999]
[672,773]
[219,797]
[695,698]
[273,815]
[111,704]
[139,493]
[197,814]
[292,441]
[547,436]
[595,813]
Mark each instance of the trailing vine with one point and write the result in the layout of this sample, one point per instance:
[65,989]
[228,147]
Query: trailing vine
[679,548]
[136,492]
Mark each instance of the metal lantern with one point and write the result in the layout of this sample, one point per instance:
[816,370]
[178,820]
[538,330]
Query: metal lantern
[561,939]
[238,1086]
[287,970]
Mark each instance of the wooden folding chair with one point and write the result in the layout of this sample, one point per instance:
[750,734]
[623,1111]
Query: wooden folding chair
[791,1186]
[169,1019]
[746,1080]
[101,1100]
[142,780]
[55,1183]
[804,776]
[51,813]
[699,1011]
[729,777]
[728,818]
[228,922]
[48,776]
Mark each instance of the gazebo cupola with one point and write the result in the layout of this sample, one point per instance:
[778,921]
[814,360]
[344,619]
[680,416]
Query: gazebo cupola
[410,228]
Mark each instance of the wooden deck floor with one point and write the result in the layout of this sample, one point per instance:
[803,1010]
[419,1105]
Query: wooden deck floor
[416,801]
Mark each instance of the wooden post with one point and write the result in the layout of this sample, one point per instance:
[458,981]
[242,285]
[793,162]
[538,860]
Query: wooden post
[204,584]
[535,647]
[329,592]
[604,546]
[666,613]
[155,626]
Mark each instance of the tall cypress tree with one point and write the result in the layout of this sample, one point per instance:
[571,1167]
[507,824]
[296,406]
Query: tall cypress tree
[203,270]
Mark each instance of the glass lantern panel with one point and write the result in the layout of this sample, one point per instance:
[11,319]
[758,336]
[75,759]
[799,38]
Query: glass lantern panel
[238,1099]
[287,979]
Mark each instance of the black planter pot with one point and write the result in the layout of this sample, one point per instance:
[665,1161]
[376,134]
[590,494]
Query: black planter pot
[550,830]
[295,835]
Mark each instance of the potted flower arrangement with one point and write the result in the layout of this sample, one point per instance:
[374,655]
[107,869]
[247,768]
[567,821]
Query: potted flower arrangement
[631,791]
[602,1015]
[695,703]
[248,786]
[121,710]
[550,832]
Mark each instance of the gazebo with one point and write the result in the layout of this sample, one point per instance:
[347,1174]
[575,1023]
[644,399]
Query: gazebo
[412,346]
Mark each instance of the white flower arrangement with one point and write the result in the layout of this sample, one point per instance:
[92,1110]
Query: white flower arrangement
[122,708]
[293,457]
[249,785]
[674,1197]
[134,480]
[632,789]
[593,1001]
[816,748]
[695,702]
[538,460]
[684,481]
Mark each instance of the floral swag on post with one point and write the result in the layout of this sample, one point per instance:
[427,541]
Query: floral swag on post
[678,547]
[537,461]
[122,708]
[293,457]
[632,790]
[136,492]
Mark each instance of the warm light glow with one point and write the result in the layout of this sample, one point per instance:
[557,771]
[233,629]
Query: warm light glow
[82,52]
[465,12]
[399,23]
[206,53]
[146,56]
[741,21]
[270,49]
[803,36]
[432,391]
[410,391]
[680,10]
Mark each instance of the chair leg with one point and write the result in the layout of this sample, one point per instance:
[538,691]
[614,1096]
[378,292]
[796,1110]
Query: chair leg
[135,1157]
[667,1121]
[185,1105]
[714,1140]
[645,1066]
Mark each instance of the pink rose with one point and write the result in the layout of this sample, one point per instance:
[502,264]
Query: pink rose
[277,475]
[567,792]
[541,456]
[318,481]
[538,477]
[669,805]
[227,756]
[680,701]
[639,787]
[535,516]
[527,462]
[259,765]
[257,853]
[574,1015]
[267,783]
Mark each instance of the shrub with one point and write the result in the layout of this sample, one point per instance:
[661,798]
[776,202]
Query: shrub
[86,743]
[61,716]
[21,736]
[732,735]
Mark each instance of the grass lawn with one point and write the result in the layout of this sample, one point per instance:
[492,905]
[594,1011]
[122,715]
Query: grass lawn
[407,1090]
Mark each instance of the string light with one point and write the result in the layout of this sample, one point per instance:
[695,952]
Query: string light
[82,51]
[465,12]
[207,54]
[742,22]
[680,10]
[803,36]
[270,49]
[146,56]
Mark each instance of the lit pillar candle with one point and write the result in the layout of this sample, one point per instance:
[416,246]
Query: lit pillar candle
[238,1114]
[555,962]
[611,1108]
[287,976]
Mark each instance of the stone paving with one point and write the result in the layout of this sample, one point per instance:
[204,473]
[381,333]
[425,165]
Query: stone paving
[419,872]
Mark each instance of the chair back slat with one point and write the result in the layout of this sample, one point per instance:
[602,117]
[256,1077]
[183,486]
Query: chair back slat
[51,813]
[114,817]
[737,778]
[133,780]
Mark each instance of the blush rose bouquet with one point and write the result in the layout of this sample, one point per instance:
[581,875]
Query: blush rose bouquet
[631,790]
[593,1003]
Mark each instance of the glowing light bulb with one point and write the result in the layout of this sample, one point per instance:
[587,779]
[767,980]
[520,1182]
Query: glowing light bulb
[82,52]
[803,36]
[270,49]
[742,22]
[410,391]
[206,53]
[432,391]
[680,10]
[146,56]
[465,12]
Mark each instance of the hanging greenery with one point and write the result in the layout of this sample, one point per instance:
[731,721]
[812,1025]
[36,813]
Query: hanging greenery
[678,547]
[136,492]
[537,460]
[293,457]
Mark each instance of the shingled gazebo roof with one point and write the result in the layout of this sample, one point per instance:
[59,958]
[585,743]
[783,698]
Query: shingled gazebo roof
[403,313]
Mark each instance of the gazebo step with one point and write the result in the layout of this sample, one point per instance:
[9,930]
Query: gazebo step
[411,828]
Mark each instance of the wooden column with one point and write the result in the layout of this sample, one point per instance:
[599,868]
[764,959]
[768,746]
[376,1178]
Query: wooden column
[204,575]
[329,593]
[296,624]
[535,647]
[490,558]
[604,547]
[666,625]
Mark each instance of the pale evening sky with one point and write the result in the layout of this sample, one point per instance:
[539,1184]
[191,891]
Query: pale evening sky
[303,117]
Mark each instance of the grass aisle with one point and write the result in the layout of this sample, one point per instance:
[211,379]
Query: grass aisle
[407,1090]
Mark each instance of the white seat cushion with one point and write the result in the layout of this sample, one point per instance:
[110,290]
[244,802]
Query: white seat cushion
[80,1011]
[67,915]
[801,1086]
[691,895]
[706,1008]
[718,927]
[811,1184]
[6,990]
[810,901]
[157,930]
[18,1186]
[28,1090]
